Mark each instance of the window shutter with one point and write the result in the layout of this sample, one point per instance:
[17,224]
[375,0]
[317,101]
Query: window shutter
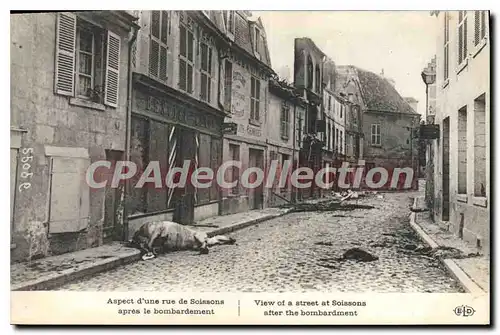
[182,74]
[69,195]
[477,27]
[64,82]
[213,77]
[164,27]
[112,70]
[163,63]
[153,57]
[222,83]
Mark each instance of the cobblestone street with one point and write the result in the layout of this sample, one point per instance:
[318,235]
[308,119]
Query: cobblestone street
[297,252]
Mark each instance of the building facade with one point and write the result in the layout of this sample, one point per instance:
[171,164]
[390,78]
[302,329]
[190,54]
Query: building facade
[68,110]
[389,124]
[308,80]
[462,156]
[285,130]
[178,112]
[247,70]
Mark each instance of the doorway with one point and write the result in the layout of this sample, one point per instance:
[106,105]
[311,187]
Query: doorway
[183,197]
[446,170]
[112,213]
[256,195]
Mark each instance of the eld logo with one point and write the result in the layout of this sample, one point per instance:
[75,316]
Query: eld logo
[464,311]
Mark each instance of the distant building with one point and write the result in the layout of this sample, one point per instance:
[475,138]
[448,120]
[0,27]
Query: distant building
[308,74]
[462,160]
[389,123]
[412,102]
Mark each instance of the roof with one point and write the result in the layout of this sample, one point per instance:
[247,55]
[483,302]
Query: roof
[410,99]
[243,36]
[378,94]
[312,45]
[285,90]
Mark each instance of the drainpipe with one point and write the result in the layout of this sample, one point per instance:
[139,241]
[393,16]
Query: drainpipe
[294,195]
[221,105]
[128,131]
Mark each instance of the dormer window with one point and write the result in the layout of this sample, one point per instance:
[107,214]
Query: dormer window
[229,21]
[256,37]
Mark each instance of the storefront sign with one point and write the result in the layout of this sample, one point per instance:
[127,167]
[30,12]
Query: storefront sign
[429,131]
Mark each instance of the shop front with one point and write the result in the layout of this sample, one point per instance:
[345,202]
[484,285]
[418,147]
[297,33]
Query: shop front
[173,130]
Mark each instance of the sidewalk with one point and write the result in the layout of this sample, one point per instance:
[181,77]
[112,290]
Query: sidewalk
[54,271]
[472,272]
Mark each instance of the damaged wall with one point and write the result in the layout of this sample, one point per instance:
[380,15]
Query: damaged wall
[56,132]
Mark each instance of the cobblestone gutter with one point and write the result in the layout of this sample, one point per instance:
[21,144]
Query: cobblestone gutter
[451,253]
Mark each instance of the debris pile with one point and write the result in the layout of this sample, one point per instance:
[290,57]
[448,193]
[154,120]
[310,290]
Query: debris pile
[326,206]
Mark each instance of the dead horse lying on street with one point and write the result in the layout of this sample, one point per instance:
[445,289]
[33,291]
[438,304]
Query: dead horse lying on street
[171,236]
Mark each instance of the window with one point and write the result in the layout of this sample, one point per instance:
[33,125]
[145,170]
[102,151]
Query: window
[332,145]
[206,72]
[341,140]
[299,131]
[85,59]
[446,51]
[479,26]
[285,121]
[341,110]
[234,153]
[336,140]
[255,99]
[87,63]
[480,136]
[256,37]
[229,21]
[318,79]
[462,150]
[158,44]
[228,84]
[329,103]
[186,59]
[310,73]
[462,36]
[328,135]
[375,134]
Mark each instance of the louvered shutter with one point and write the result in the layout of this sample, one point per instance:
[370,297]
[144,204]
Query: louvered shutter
[112,70]
[153,57]
[222,83]
[213,77]
[163,63]
[64,82]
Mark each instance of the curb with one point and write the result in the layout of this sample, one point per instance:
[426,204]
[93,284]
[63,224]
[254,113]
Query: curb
[244,224]
[451,266]
[56,280]
[66,276]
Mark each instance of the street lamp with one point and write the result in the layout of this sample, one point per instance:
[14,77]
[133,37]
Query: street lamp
[429,77]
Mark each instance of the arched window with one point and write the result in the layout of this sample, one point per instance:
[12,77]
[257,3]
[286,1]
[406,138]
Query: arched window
[318,79]
[309,72]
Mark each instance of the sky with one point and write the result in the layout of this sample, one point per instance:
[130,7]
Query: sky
[400,43]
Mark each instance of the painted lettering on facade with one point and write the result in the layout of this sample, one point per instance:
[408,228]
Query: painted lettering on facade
[253,131]
[239,94]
